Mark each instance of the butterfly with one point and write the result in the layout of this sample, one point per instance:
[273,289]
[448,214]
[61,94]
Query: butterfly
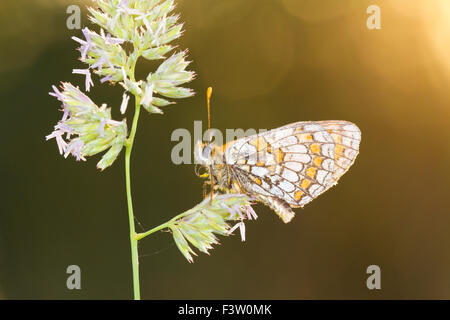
[283,168]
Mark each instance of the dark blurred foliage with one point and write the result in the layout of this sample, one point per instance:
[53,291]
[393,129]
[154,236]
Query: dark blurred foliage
[271,62]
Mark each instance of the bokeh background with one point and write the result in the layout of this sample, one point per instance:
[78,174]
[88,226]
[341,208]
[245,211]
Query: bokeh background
[271,62]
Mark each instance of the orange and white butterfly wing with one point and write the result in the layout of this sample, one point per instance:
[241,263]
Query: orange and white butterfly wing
[346,137]
[294,163]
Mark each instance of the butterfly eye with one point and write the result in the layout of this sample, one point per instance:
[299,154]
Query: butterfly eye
[207,151]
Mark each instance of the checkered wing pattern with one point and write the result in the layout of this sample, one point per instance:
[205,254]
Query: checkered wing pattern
[294,163]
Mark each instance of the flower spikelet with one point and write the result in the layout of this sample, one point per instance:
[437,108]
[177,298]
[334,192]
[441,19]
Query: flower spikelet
[149,27]
[86,129]
[200,225]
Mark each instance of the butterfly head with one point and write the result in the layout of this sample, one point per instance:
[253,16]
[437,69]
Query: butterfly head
[203,153]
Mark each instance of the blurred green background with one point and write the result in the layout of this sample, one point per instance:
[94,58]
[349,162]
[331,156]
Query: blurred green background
[271,62]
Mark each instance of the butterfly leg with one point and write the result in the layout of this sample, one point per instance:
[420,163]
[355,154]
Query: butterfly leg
[204,189]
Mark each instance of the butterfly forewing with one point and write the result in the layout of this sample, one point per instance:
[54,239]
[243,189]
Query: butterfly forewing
[295,163]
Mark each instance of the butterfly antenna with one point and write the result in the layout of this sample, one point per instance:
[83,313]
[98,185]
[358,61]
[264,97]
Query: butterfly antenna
[208,103]
[208,100]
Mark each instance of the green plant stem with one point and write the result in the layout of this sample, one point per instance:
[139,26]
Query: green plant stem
[133,238]
[140,236]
